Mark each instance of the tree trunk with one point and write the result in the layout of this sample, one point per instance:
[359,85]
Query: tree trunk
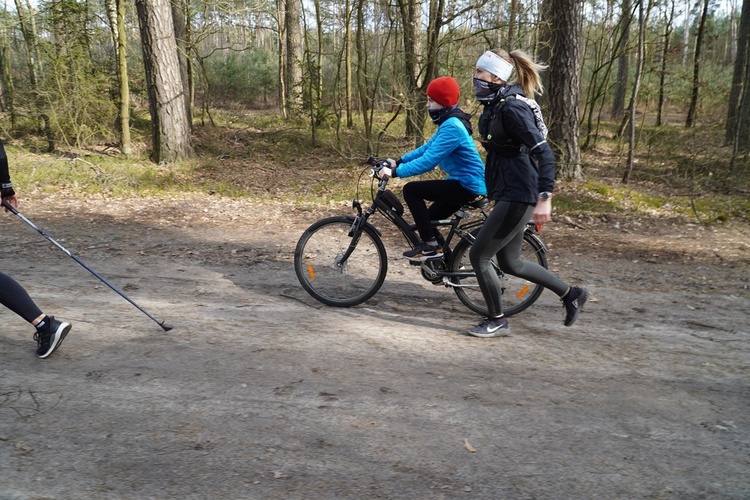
[623,63]
[564,89]
[170,129]
[348,64]
[690,121]
[668,19]
[294,54]
[411,11]
[642,20]
[512,15]
[362,80]
[739,80]
[181,19]
[283,78]
[116,15]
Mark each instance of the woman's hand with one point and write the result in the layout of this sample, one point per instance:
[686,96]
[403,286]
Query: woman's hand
[11,200]
[543,212]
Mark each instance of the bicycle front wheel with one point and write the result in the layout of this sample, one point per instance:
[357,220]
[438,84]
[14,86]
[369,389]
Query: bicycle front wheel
[518,294]
[322,272]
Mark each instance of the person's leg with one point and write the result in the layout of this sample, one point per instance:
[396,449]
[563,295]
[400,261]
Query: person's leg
[49,332]
[16,298]
[506,221]
[447,197]
[415,194]
[502,236]
[510,261]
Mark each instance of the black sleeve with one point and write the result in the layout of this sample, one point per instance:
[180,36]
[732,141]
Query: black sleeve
[4,171]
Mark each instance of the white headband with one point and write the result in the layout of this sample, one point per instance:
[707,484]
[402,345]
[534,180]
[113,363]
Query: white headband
[496,65]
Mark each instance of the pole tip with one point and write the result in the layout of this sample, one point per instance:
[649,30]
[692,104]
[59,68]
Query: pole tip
[165,327]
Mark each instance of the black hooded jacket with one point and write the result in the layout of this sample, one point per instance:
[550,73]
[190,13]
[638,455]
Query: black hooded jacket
[520,163]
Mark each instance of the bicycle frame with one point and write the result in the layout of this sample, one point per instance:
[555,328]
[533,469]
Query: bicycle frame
[408,230]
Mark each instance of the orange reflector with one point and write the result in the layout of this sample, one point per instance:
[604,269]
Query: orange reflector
[311,271]
[522,292]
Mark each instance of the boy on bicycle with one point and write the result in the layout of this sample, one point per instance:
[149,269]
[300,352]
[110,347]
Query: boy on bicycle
[453,150]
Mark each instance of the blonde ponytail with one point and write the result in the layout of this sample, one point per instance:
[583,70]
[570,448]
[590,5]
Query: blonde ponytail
[527,73]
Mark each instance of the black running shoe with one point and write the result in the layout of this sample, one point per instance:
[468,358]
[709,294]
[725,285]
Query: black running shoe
[424,252]
[497,327]
[573,302]
[50,335]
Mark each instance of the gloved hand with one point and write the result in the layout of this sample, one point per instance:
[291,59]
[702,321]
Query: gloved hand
[6,190]
[392,162]
[385,172]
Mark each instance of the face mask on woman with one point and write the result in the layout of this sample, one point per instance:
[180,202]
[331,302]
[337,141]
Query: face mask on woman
[486,91]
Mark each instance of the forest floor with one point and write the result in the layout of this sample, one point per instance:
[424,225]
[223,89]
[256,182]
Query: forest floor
[261,392]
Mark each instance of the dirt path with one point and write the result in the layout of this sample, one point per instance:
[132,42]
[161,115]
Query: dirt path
[260,392]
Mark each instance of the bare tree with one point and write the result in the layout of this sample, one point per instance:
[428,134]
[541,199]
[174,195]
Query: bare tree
[739,102]
[669,9]
[116,15]
[697,66]
[623,65]
[348,62]
[170,129]
[643,13]
[363,81]
[294,54]
[283,78]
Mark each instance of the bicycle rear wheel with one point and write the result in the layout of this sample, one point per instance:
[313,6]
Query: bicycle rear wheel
[317,262]
[518,294]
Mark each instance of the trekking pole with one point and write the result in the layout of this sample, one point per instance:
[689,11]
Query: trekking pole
[12,209]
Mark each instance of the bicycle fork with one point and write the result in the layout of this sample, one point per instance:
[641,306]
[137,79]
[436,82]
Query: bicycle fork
[355,232]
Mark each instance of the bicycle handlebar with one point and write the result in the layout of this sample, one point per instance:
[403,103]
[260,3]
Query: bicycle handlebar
[377,165]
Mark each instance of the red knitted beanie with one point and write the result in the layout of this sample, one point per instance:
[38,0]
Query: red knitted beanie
[444,90]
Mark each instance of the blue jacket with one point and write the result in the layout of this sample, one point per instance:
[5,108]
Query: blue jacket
[529,170]
[452,149]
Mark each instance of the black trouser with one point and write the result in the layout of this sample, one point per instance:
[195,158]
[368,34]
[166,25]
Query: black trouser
[14,297]
[447,197]
[502,236]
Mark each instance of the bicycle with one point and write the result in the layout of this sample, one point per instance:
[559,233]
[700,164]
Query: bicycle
[341,260]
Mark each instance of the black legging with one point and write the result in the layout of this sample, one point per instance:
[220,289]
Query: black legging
[447,197]
[502,236]
[14,297]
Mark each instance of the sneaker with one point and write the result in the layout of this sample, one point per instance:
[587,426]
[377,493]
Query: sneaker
[50,336]
[424,252]
[497,327]
[573,302]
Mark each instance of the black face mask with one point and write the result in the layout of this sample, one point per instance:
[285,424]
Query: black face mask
[487,91]
[437,114]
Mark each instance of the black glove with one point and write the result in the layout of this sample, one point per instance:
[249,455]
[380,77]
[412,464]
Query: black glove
[6,190]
